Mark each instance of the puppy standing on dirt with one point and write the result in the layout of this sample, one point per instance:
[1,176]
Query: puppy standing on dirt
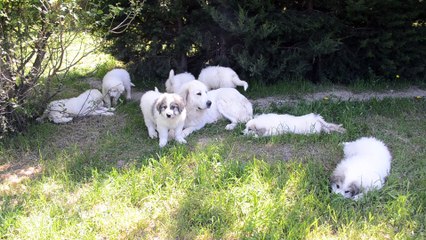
[114,83]
[365,166]
[205,106]
[221,77]
[163,112]
[275,124]
[175,82]
[89,103]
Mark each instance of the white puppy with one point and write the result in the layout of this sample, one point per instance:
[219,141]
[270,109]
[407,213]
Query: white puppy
[114,83]
[365,166]
[205,106]
[175,82]
[88,103]
[221,77]
[275,124]
[163,112]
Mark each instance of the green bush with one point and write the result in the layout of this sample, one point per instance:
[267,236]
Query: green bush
[272,41]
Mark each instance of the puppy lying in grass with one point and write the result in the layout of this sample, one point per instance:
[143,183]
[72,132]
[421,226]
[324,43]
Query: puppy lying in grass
[89,103]
[365,166]
[163,112]
[275,124]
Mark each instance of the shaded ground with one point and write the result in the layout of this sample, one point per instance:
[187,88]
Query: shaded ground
[85,132]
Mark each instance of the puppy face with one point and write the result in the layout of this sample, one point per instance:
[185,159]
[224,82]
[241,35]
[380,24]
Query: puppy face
[251,129]
[170,105]
[116,91]
[342,187]
[196,96]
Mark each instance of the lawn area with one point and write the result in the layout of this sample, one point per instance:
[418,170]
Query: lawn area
[103,178]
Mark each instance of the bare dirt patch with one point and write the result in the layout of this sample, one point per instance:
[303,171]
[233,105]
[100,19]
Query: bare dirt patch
[340,95]
[85,132]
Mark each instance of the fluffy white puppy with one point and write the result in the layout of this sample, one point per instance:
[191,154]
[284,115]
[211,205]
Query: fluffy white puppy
[163,112]
[275,124]
[175,82]
[365,166]
[88,103]
[205,106]
[221,77]
[114,83]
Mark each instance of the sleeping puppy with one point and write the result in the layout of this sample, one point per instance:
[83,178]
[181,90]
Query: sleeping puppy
[89,103]
[163,112]
[205,106]
[365,166]
[175,82]
[114,83]
[275,124]
[221,77]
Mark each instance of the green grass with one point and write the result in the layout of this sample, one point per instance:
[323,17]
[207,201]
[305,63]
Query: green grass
[221,185]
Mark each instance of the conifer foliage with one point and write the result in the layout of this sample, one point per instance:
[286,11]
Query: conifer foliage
[273,41]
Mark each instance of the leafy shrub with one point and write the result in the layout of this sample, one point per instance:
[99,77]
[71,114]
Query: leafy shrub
[36,36]
[271,41]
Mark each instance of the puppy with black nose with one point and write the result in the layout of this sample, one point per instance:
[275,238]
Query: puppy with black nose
[365,166]
[163,112]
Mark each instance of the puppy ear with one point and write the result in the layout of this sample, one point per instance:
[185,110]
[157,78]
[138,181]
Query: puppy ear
[180,103]
[354,189]
[336,178]
[160,101]
[260,131]
[186,95]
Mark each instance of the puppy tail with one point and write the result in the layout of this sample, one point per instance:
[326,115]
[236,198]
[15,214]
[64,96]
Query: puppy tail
[331,127]
[236,80]
[156,89]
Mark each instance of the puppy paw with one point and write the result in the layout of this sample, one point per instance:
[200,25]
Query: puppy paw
[108,114]
[152,135]
[162,143]
[181,140]
[186,132]
[358,197]
[230,126]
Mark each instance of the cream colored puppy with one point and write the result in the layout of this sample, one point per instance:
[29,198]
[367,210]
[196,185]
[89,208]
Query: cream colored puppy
[163,112]
[175,82]
[89,103]
[221,77]
[205,106]
[365,166]
[114,83]
[275,124]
